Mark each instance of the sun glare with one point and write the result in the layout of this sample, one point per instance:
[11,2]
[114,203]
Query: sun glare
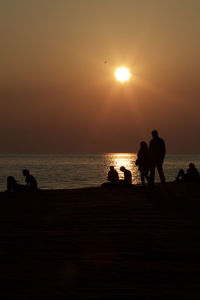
[122,74]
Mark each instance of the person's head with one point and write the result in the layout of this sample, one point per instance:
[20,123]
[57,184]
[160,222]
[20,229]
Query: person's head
[25,172]
[11,180]
[191,166]
[122,168]
[154,133]
[143,144]
[111,168]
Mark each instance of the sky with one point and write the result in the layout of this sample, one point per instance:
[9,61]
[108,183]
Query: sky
[59,96]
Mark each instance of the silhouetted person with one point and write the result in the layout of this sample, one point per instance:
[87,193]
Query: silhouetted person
[31,182]
[157,154]
[181,176]
[192,174]
[127,176]
[13,186]
[113,176]
[143,162]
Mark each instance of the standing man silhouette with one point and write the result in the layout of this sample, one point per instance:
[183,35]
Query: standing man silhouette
[157,154]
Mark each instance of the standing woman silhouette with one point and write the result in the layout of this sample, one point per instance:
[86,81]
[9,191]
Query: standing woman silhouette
[143,162]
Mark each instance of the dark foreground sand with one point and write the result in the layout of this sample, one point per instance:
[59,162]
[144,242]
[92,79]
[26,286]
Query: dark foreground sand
[101,243]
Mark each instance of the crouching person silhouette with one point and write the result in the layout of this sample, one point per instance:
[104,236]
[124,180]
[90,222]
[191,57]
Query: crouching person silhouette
[127,177]
[113,178]
[31,182]
[181,175]
[192,174]
[13,186]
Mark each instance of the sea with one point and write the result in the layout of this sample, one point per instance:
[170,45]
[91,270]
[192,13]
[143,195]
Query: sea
[71,171]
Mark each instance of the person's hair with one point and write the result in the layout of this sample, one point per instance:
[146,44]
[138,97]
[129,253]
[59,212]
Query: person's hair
[191,166]
[143,144]
[25,172]
[111,167]
[11,180]
[122,168]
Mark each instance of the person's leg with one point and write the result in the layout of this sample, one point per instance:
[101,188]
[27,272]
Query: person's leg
[160,172]
[146,175]
[151,177]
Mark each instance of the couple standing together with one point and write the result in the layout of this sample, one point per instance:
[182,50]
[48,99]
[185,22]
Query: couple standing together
[150,158]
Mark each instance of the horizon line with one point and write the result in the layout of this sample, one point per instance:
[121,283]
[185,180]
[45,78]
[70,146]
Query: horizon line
[84,153]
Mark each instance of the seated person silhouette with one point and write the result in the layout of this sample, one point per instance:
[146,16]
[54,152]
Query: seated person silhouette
[13,186]
[127,177]
[31,182]
[181,176]
[192,174]
[113,176]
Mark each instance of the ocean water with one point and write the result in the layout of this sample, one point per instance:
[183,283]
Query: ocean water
[68,171]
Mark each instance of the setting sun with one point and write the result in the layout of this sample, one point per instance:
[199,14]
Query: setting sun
[122,74]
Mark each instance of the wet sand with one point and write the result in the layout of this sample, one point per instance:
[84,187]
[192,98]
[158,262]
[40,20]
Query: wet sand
[98,243]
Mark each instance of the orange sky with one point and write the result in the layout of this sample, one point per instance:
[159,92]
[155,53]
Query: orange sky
[58,95]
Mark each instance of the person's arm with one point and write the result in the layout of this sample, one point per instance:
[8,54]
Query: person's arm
[27,182]
[117,176]
[150,147]
[137,162]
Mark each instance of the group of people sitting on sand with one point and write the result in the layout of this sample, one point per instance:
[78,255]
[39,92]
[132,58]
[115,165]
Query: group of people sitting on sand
[192,174]
[113,177]
[31,183]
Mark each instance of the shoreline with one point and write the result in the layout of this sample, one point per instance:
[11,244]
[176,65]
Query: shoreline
[138,185]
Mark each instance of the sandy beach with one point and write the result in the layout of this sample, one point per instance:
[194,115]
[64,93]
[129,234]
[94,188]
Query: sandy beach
[98,243]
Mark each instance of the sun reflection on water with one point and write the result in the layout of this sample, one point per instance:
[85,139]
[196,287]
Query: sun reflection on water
[124,159]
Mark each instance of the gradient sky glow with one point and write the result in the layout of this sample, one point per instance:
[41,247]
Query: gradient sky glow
[58,95]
